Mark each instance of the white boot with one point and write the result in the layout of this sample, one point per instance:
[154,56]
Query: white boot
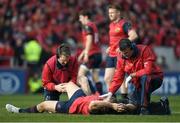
[11,108]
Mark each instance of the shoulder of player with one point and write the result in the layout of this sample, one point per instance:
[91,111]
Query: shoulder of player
[88,27]
[51,59]
[142,47]
[119,57]
[73,60]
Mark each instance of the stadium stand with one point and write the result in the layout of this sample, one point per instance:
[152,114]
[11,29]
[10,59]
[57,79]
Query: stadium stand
[52,21]
[168,52]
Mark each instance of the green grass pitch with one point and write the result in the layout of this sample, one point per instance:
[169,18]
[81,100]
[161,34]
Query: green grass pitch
[30,100]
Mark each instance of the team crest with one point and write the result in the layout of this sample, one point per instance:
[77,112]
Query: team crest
[117,30]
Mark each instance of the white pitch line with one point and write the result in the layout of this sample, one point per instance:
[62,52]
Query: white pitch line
[176,112]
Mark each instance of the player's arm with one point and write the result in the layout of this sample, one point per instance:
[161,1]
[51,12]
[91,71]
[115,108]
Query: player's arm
[81,56]
[132,35]
[89,40]
[100,107]
[47,77]
[130,108]
[107,50]
[60,87]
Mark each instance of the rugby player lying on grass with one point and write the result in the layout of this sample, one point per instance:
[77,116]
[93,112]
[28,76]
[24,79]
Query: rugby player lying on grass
[79,103]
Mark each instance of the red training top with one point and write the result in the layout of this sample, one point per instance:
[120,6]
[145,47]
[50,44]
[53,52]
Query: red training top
[142,64]
[52,75]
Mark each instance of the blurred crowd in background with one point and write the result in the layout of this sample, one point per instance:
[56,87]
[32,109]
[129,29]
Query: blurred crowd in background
[32,29]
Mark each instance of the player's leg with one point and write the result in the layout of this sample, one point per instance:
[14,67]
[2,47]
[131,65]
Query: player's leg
[73,92]
[98,84]
[109,70]
[145,95]
[41,107]
[94,64]
[82,79]
[83,70]
[71,88]
[109,73]
[49,106]
[148,85]
[84,84]
[155,83]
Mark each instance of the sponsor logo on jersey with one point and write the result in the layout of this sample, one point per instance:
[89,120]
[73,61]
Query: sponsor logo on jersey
[117,29]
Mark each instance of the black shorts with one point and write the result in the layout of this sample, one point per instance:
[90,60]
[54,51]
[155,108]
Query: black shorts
[95,61]
[63,106]
[111,62]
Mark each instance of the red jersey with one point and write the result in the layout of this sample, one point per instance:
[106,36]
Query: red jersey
[81,104]
[52,75]
[91,29]
[142,64]
[116,33]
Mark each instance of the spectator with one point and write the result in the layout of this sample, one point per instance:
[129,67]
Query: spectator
[32,53]
[154,20]
[6,54]
[19,53]
[35,84]
[161,61]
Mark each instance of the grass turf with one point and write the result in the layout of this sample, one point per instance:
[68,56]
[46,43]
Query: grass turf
[30,100]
